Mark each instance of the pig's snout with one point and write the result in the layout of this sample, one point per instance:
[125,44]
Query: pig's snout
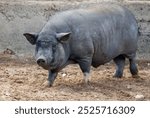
[41,61]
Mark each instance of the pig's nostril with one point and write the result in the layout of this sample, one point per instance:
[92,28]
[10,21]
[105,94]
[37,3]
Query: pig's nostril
[41,61]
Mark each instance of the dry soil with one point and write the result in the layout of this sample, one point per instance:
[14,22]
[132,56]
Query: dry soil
[24,80]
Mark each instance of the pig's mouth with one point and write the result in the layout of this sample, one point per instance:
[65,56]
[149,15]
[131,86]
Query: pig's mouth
[49,66]
[45,67]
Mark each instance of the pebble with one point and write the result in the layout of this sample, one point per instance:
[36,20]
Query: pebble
[19,81]
[64,74]
[7,94]
[139,97]
[129,87]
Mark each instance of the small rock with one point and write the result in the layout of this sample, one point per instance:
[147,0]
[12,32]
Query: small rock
[148,64]
[139,97]
[9,51]
[7,93]
[19,81]
[34,91]
[129,87]
[2,79]
[64,74]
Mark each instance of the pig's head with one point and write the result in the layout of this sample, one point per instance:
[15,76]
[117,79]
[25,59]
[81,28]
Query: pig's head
[49,51]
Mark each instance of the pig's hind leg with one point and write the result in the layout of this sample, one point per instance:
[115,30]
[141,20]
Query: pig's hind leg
[120,62]
[133,67]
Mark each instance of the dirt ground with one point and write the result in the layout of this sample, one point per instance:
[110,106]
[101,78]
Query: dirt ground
[24,80]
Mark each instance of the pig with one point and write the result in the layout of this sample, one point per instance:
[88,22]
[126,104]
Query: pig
[89,36]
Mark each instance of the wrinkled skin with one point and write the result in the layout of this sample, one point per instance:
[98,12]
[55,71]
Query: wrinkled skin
[92,36]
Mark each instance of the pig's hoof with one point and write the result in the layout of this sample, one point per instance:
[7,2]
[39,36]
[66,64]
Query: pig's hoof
[117,76]
[136,76]
[47,84]
[50,84]
[86,83]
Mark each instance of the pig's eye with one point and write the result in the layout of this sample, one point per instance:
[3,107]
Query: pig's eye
[42,43]
[38,43]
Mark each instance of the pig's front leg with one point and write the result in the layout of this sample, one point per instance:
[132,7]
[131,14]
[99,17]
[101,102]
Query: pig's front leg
[51,77]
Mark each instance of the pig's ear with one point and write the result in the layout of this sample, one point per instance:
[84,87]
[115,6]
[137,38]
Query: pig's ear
[63,37]
[31,37]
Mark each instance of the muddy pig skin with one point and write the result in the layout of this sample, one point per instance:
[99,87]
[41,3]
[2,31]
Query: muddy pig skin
[89,36]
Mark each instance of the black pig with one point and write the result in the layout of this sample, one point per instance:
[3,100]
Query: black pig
[91,36]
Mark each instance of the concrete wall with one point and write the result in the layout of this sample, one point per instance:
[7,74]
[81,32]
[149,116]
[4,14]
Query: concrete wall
[141,10]
[20,16]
